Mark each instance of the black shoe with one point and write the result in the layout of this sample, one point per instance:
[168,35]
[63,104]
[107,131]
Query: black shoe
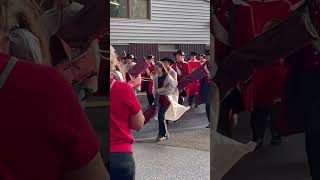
[161,138]
[276,140]
[259,143]
[208,126]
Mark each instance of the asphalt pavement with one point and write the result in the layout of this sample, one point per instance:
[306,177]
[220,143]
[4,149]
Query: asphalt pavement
[284,162]
[185,156]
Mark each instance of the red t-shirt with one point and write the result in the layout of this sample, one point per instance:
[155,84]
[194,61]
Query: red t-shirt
[44,133]
[124,104]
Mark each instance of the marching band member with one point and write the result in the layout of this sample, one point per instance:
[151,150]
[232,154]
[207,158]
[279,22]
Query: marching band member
[202,58]
[193,57]
[266,100]
[182,69]
[204,86]
[129,63]
[303,103]
[149,75]
[194,87]
[168,62]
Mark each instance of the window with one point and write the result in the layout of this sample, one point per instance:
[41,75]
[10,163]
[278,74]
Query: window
[133,9]
[167,48]
[119,8]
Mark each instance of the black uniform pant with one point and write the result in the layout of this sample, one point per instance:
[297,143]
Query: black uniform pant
[150,98]
[259,119]
[191,100]
[208,111]
[305,111]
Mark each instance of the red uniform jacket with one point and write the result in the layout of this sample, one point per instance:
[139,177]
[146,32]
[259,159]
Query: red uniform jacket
[269,84]
[182,69]
[193,88]
[266,84]
[251,20]
[152,70]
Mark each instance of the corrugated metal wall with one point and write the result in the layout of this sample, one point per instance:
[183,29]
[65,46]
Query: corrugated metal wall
[143,50]
[172,22]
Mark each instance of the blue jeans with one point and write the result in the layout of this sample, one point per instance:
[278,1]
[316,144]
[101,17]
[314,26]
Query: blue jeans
[122,166]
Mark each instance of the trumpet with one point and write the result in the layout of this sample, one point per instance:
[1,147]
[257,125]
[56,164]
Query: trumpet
[150,78]
[146,79]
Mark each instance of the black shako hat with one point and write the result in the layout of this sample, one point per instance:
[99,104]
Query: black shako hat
[207,52]
[150,57]
[130,56]
[193,54]
[180,52]
[170,60]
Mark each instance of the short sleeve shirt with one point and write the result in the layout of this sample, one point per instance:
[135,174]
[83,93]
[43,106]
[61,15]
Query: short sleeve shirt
[44,133]
[123,105]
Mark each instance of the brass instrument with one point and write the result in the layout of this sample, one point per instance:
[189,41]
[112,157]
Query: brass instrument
[151,77]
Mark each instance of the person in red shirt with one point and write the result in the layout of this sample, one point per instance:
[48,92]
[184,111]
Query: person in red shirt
[44,132]
[163,86]
[125,114]
[57,135]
